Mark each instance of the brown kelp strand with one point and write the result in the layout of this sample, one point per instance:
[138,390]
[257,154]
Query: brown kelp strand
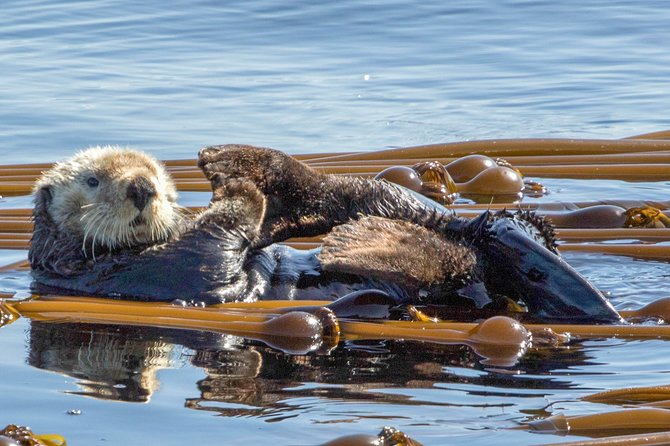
[16,225]
[499,339]
[613,158]
[630,395]
[14,244]
[534,157]
[563,206]
[629,421]
[662,134]
[515,147]
[647,439]
[24,236]
[624,172]
[21,265]
[659,308]
[496,331]
[295,332]
[460,168]
[22,213]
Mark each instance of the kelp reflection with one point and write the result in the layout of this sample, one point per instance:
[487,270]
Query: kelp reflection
[120,363]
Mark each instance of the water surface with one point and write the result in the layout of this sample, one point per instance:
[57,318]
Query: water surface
[303,77]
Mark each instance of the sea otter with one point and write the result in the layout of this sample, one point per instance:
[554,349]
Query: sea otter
[107,224]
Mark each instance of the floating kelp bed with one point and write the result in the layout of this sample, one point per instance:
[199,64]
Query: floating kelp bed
[319,328]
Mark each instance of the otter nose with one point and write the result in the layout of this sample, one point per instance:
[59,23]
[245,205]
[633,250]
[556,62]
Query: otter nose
[140,190]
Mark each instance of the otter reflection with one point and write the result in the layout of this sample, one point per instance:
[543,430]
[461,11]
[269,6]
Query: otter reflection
[120,363]
[108,363]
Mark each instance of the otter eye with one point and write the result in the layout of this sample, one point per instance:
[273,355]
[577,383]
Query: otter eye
[92,182]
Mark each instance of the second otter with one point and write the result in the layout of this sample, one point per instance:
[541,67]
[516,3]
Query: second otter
[117,232]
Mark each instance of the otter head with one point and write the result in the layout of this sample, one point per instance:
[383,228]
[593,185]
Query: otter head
[107,198]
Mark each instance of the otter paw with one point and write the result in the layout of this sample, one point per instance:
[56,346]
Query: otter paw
[236,204]
[222,159]
[210,154]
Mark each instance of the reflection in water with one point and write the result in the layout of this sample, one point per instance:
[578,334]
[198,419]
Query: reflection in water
[120,363]
[110,362]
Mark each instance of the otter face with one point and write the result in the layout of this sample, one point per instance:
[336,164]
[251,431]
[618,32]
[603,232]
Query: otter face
[108,198]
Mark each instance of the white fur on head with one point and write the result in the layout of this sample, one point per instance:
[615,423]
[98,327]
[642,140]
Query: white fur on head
[86,197]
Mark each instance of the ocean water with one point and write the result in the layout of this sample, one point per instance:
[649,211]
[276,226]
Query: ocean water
[306,77]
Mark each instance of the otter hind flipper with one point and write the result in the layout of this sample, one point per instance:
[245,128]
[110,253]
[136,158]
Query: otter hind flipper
[397,251]
[518,264]
[533,226]
[541,230]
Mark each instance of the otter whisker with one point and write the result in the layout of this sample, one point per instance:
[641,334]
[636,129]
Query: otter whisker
[51,246]
[100,228]
[95,235]
[127,233]
[86,206]
[111,236]
[87,214]
[95,215]
[87,229]
[152,231]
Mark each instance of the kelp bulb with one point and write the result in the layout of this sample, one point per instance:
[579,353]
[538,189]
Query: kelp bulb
[496,180]
[402,175]
[466,168]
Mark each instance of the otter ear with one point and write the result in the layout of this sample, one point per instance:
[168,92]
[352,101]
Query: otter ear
[43,196]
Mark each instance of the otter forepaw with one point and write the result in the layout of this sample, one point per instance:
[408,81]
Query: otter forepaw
[236,204]
[229,159]
[211,154]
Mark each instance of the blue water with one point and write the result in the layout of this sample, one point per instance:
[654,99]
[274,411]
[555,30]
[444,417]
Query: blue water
[300,76]
[346,75]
